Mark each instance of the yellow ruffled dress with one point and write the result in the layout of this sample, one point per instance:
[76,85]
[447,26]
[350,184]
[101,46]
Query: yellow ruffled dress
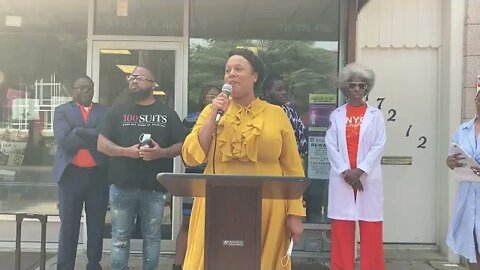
[253,140]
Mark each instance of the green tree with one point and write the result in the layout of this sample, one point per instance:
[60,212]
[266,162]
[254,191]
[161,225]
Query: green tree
[306,67]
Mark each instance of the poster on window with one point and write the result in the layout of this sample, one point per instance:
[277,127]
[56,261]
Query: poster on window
[13,147]
[12,153]
[319,108]
[318,165]
[7,175]
[24,109]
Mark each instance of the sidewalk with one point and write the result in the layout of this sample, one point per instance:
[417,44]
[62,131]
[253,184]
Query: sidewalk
[404,259]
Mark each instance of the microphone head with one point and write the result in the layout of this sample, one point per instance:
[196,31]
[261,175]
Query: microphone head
[227,89]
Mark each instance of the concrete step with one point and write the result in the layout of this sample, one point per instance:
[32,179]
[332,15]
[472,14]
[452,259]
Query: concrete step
[398,257]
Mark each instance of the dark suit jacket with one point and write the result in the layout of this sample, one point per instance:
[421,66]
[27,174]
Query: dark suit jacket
[72,134]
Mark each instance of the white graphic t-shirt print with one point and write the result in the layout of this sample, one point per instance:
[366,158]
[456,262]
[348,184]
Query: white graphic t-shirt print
[353,126]
[144,120]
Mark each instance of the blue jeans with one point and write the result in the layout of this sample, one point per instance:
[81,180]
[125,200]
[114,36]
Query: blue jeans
[125,203]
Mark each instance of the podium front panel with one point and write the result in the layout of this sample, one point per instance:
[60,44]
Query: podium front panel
[233,228]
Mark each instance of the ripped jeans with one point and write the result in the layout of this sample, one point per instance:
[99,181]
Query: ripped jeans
[125,203]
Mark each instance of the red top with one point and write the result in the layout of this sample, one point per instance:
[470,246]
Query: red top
[83,158]
[354,122]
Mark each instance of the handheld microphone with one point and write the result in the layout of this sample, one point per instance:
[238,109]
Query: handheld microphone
[227,90]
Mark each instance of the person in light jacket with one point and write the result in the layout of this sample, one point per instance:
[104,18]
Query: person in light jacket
[355,141]
[464,231]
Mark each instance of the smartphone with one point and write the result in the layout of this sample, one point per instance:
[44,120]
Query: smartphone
[145,139]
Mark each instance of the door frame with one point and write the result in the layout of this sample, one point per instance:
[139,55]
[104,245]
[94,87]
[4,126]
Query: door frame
[180,106]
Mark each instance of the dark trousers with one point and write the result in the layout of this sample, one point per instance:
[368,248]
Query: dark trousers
[79,186]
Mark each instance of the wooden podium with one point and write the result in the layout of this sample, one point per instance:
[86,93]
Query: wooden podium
[233,214]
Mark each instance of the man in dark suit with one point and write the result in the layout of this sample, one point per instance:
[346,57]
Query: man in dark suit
[81,173]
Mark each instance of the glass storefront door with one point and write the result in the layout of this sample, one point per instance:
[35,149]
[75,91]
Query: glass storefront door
[111,62]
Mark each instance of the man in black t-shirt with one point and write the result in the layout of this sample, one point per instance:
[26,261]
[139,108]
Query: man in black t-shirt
[134,166]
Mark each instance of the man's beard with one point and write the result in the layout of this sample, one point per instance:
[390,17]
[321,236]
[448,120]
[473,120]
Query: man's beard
[140,95]
[84,101]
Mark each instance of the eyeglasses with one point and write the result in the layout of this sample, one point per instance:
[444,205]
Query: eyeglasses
[84,88]
[361,85]
[139,78]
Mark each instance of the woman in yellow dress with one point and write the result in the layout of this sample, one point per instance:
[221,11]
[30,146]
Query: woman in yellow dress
[253,138]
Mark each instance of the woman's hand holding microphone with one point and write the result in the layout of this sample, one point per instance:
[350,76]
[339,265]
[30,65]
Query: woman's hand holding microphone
[220,103]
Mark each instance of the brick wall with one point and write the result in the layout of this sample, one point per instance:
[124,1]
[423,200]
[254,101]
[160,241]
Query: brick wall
[471,57]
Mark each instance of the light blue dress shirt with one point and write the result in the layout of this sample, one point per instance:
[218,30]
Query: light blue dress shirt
[466,218]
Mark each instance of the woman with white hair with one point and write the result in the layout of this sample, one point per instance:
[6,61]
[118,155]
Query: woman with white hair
[355,142]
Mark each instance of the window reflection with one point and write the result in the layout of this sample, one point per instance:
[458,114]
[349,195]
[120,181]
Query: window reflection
[42,50]
[33,85]
[27,121]
[308,67]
